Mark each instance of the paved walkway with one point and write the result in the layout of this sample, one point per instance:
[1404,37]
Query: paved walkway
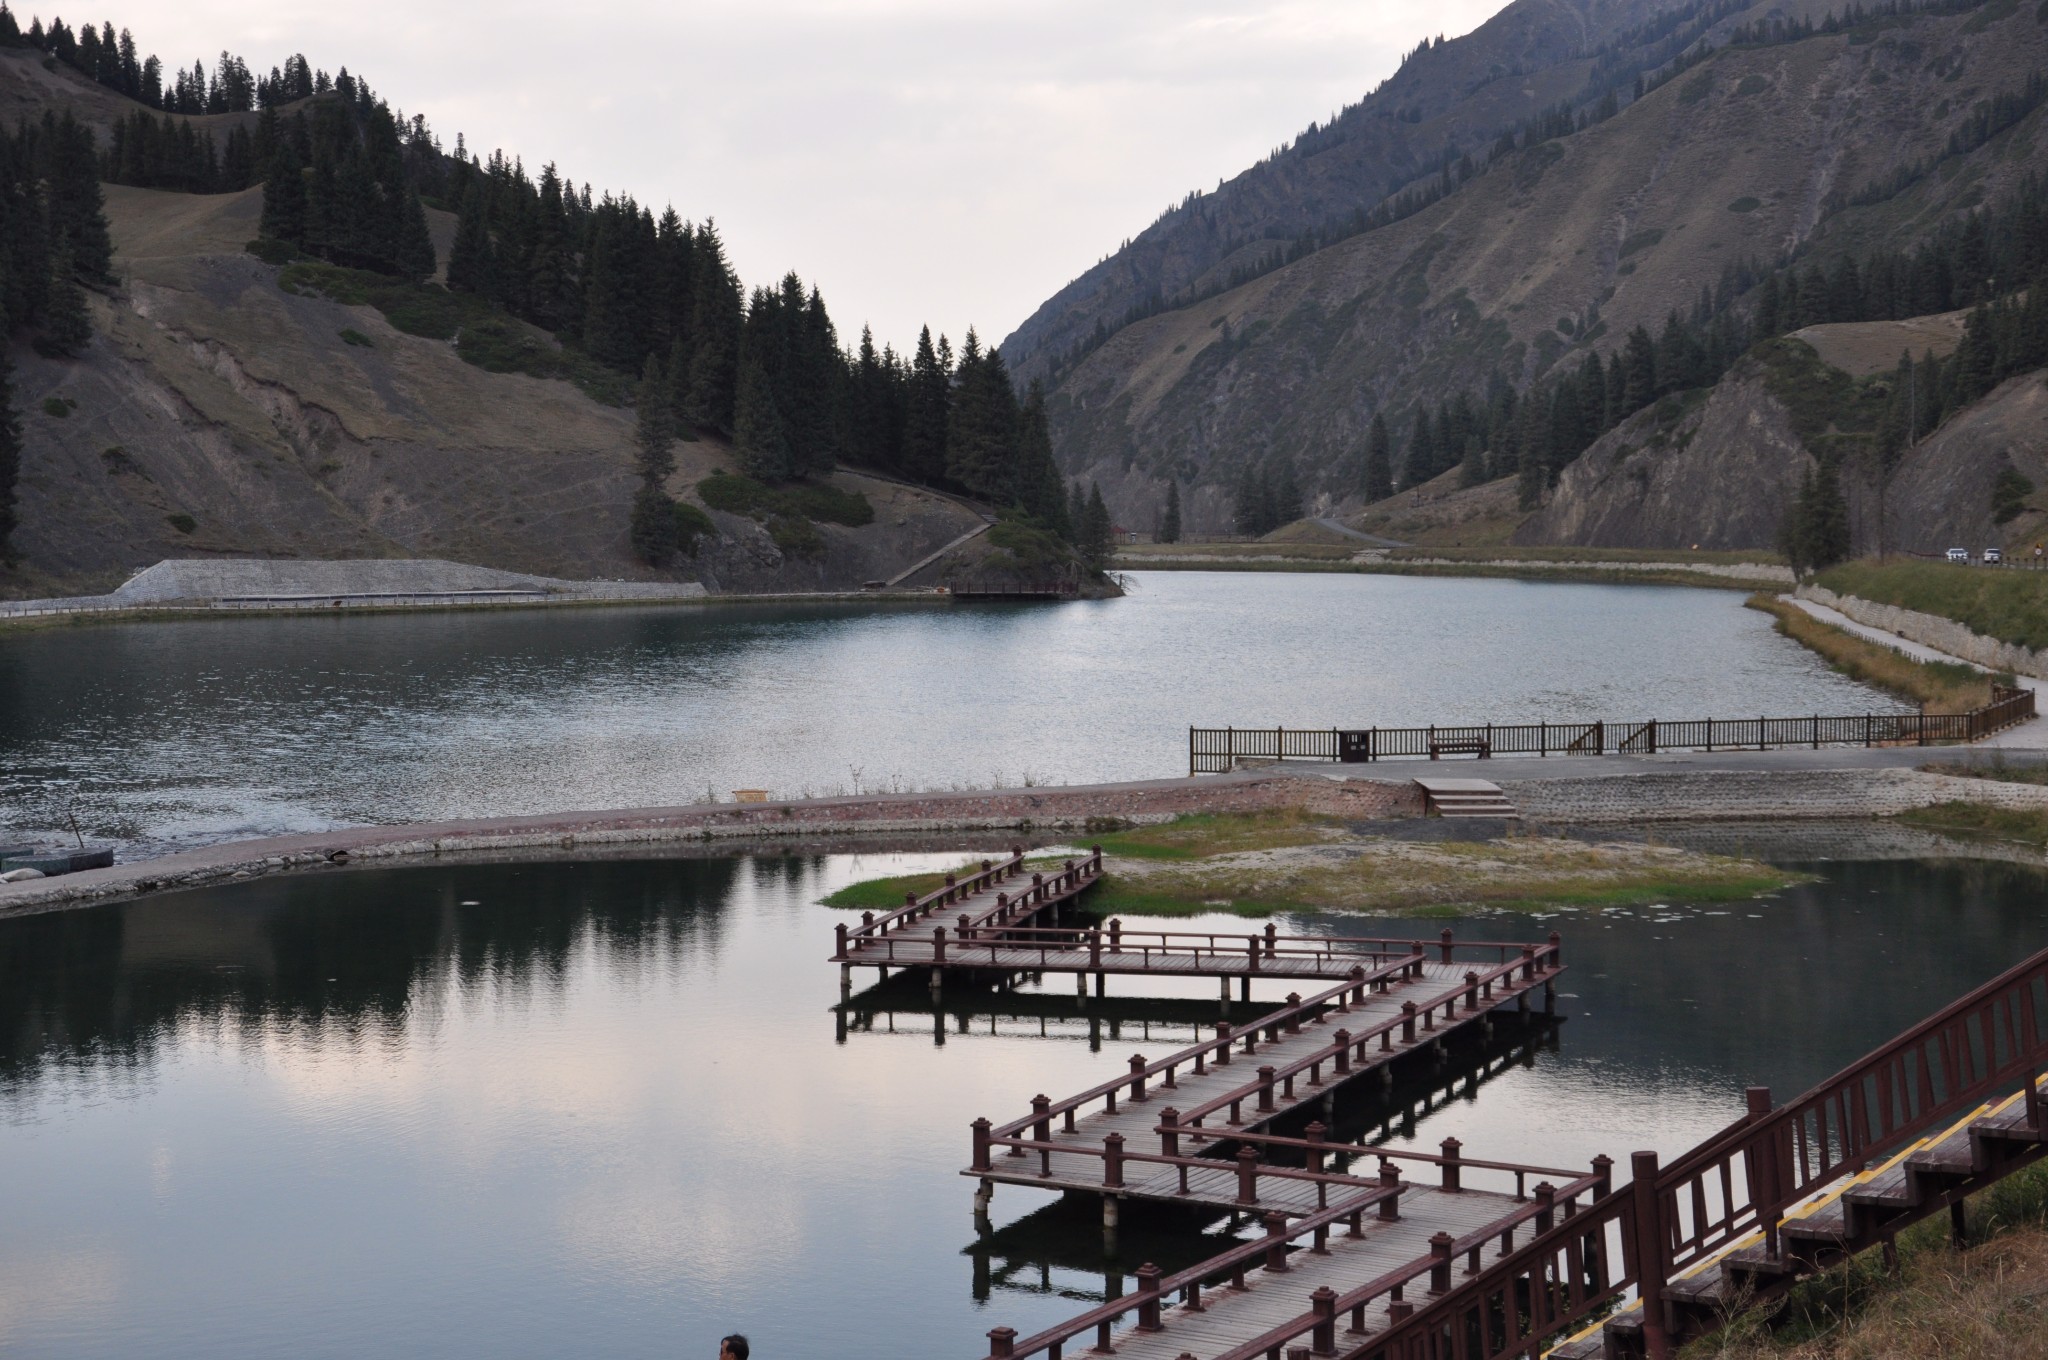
[2028,736]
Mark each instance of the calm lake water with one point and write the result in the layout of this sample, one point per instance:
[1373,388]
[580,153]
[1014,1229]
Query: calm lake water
[607,1108]
[158,736]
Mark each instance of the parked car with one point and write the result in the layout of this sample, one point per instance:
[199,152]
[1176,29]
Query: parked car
[1961,555]
[1992,557]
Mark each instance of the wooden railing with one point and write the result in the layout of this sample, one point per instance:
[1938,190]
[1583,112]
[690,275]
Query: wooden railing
[955,890]
[1033,1132]
[1215,750]
[1668,1220]
[1738,1182]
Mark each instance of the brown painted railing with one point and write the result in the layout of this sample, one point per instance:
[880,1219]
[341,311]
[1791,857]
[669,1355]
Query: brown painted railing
[1215,750]
[1738,1182]
[1669,1220]
[1071,877]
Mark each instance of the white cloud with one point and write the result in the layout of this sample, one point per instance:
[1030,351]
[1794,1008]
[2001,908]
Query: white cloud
[921,161]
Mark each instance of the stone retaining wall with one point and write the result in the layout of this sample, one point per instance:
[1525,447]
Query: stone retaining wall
[1066,810]
[1932,630]
[1759,795]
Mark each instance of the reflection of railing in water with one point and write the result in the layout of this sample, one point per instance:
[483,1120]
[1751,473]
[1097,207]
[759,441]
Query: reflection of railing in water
[1216,750]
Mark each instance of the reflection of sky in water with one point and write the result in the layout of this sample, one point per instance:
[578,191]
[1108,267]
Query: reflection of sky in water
[184,733]
[604,1109]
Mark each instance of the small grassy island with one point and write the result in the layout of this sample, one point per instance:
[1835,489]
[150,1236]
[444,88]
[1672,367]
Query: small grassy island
[1256,864]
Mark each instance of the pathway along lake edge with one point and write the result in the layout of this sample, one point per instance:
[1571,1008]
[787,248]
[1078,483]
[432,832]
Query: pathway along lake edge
[1587,790]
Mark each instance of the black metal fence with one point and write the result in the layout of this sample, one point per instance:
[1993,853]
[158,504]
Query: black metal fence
[1213,750]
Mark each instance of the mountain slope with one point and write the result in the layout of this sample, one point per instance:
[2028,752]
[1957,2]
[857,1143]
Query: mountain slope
[1556,250]
[1458,94]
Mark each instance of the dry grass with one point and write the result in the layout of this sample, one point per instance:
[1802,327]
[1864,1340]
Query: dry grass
[1989,1302]
[1944,687]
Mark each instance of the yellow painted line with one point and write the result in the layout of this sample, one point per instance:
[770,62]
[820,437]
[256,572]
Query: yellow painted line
[1809,1207]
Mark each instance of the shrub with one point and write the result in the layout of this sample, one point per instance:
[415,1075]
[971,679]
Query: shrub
[182,522]
[272,251]
[57,408]
[738,494]
[2009,495]
[351,336]
[692,526]
[1745,204]
[796,535]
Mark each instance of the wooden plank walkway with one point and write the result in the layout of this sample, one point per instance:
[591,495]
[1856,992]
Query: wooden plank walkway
[1212,1092]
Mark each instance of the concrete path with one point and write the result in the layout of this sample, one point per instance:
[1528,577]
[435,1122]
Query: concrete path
[2028,736]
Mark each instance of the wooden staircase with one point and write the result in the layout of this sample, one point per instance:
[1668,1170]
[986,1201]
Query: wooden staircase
[1853,1214]
[1465,798]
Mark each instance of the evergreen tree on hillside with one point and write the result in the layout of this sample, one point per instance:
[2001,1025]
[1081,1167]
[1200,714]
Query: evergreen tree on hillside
[1814,533]
[415,246]
[10,450]
[471,268]
[1285,506]
[1077,509]
[1097,539]
[758,436]
[653,520]
[981,427]
[67,326]
[717,316]
[1038,486]
[1379,461]
[1169,519]
[284,198]
[925,419]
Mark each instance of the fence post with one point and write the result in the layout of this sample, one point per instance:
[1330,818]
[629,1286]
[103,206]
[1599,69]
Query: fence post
[1445,943]
[1866,729]
[1002,1342]
[1650,1238]
[1600,737]
[1113,1161]
[1247,1175]
[939,945]
[1816,731]
[980,1127]
[1148,1298]
[1653,736]
[1542,738]
[1451,1148]
[1432,741]
[1276,1243]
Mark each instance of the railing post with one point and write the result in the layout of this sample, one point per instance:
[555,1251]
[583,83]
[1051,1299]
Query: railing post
[1223,1048]
[1272,938]
[1265,1090]
[839,931]
[1095,949]
[1651,1235]
[980,1127]
[1342,1042]
[1276,1243]
[939,945]
[1452,1148]
[1148,1298]
[1169,1132]
[1767,1187]
[1407,1022]
[1116,933]
[1314,1133]
[1113,1161]
[1446,939]
[1556,952]
[1002,1342]
[1293,1010]
[1247,1175]
[1137,1076]
[1528,963]
[1041,1120]
[1471,991]
[1440,1262]
[1323,1303]
[1546,1196]
[1603,1176]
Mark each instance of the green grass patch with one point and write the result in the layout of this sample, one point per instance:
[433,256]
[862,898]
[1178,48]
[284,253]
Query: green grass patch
[1745,204]
[886,894]
[351,336]
[484,334]
[2011,606]
[57,408]
[1219,833]
[1996,770]
[182,522]
[1028,546]
[738,494]
[1827,406]
[2024,826]
[1943,686]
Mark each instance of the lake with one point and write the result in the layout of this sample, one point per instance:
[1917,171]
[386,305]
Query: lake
[159,736]
[607,1108]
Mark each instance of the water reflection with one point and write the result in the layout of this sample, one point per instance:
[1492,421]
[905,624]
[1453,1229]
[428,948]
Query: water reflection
[616,1106]
[175,734]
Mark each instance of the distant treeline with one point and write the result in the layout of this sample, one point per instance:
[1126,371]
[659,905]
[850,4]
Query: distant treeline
[1981,261]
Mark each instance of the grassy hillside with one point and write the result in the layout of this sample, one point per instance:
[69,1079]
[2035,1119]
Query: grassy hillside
[2009,604]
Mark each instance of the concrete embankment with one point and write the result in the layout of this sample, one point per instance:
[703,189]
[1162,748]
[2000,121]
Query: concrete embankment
[1588,791]
[1932,630]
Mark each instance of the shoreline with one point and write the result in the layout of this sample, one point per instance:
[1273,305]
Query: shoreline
[1589,792]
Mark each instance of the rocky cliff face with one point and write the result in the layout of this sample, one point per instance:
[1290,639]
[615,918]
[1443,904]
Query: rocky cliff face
[1557,249]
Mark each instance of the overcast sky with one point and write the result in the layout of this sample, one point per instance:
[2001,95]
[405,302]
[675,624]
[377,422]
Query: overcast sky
[920,160]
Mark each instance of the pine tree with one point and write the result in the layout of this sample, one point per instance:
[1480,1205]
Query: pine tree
[654,428]
[1286,497]
[925,421]
[1038,486]
[471,268]
[1097,532]
[758,435]
[415,250]
[10,450]
[653,527]
[1169,522]
[67,326]
[1379,461]
[1077,510]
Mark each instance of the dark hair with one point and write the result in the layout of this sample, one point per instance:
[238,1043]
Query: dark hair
[737,1344]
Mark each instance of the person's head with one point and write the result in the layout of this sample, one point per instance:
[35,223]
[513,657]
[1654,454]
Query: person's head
[733,1347]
